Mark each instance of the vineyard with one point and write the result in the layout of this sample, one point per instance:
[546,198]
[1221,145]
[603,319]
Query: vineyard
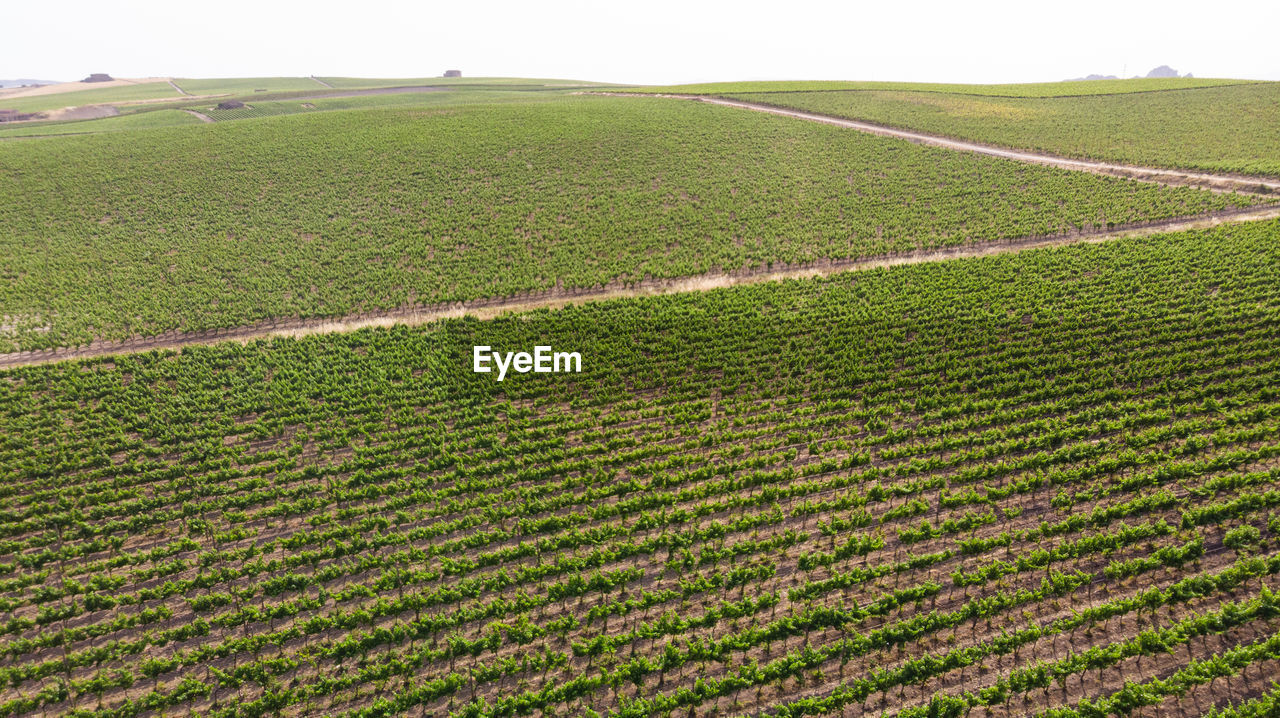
[95,96]
[1233,128]
[130,121]
[319,104]
[330,214]
[1069,88]
[1035,484]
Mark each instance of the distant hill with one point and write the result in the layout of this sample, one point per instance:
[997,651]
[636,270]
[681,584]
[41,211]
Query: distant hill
[1166,71]
[1162,71]
[24,81]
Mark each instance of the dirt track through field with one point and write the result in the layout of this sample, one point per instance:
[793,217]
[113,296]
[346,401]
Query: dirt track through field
[181,91]
[203,117]
[557,298]
[1219,182]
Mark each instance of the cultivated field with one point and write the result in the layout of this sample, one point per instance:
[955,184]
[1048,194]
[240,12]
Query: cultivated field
[131,121]
[1219,129]
[329,214]
[1025,461]
[1034,484]
[36,102]
[247,85]
[1036,89]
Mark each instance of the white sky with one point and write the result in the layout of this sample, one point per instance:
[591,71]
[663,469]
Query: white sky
[657,41]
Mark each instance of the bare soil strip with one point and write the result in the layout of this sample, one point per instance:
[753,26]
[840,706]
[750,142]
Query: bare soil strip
[322,82]
[179,89]
[1220,182]
[556,298]
[203,117]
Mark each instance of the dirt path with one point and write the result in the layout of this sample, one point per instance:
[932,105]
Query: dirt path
[322,82]
[203,117]
[181,91]
[1220,182]
[557,298]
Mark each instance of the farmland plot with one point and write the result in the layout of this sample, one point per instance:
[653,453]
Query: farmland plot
[325,215]
[1042,483]
[1218,129]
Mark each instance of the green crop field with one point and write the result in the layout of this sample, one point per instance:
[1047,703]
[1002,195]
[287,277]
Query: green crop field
[356,83]
[1042,483]
[327,214]
[1224,129]
[132,121]
[1035,89]
[246,85]
[96,96]
[403,99]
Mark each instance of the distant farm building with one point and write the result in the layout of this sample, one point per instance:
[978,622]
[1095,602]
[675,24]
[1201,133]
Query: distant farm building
[98,77]
[453,73]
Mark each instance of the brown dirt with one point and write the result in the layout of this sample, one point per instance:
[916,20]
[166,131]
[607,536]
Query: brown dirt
[557,298]
[1215,181]
[84,112]
[203,117]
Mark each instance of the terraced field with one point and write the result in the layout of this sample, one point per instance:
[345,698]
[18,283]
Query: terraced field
[1033,484]
[330,214]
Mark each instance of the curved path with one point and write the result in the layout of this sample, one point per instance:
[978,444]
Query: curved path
[556,298]
[1221,182]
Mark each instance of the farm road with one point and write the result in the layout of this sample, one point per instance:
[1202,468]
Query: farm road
[1219,182]
[556,298]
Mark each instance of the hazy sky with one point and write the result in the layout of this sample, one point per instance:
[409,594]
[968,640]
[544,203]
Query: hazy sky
[655,41]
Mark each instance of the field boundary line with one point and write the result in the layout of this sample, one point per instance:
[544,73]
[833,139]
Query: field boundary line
[203,117]
[1221,182]
[493,307]
[181,91]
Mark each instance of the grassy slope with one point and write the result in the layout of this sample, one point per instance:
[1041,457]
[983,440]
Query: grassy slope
[134,121]
[246,85]
[1227,129]
[329,214]
[415,99]
[1137,378]
[105,96]
[1038,89]
[353,83]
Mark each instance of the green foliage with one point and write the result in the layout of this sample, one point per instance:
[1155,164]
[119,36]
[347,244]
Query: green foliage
[356,524]
[1242,537]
